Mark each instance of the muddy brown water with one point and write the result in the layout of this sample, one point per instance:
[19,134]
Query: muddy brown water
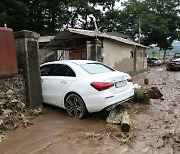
[156,127]
[56,132]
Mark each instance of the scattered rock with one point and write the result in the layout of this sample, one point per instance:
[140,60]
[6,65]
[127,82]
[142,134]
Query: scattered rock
[10,92]
[145,150]
[121,150]
[166,150]
[2,94]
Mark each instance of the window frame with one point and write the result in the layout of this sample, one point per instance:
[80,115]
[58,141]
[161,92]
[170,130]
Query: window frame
[50,71]
[66,74]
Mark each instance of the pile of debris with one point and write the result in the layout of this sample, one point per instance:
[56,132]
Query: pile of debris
[119,123]
[14,113]
[144,93]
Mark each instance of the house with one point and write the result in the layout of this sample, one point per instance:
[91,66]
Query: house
[46,54]
[119,53]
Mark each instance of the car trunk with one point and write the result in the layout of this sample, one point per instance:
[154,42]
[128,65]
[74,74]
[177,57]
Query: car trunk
[118,78]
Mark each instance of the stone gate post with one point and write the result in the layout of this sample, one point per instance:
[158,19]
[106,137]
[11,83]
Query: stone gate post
[26,43]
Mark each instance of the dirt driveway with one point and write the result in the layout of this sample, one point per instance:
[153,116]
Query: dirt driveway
[156,130]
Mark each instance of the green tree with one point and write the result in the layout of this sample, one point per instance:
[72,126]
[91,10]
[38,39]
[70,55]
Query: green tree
[155,21]
[13,13]
[47,17]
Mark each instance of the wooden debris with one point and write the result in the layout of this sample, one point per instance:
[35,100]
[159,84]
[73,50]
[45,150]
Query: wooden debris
[146,81]
[145,93]
[115,117]
[125,124]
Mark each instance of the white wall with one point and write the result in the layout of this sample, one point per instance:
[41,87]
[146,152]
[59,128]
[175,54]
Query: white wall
[118,56]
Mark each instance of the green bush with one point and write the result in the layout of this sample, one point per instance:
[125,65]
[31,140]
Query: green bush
[140,97]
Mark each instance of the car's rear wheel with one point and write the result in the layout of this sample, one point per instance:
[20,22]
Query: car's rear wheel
[168,68]
[75,106]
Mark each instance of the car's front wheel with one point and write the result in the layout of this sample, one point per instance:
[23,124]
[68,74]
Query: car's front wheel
[75,106]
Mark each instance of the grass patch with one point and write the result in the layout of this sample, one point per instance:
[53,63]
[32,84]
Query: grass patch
[3,135]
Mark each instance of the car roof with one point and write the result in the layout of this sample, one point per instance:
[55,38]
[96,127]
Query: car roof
[78,62]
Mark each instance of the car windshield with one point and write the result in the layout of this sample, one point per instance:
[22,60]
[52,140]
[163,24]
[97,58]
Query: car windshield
[96,68]
[177,55]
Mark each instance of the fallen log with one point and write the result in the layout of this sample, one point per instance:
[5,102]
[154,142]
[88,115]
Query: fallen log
[125,124]
[150,92]
[146,92]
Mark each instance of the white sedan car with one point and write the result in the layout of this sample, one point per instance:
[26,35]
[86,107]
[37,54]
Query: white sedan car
[82,86]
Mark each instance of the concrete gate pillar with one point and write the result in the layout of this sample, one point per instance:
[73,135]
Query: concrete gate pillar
[27,56]
[94,50]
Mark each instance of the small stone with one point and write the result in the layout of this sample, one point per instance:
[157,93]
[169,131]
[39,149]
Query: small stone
[16,90]
[121,150]
[2,94]
[166,150]
[145,150]
[9,92]
[159,143]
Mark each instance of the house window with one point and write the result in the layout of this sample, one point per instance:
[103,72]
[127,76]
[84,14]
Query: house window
[132,54]
[145,54]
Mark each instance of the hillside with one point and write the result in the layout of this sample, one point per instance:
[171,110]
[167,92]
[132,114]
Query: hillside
[176,48]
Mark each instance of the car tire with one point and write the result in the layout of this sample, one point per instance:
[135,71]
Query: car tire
[168,68]
[75,106]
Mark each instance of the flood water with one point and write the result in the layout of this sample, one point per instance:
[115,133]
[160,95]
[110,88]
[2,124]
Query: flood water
[56,132]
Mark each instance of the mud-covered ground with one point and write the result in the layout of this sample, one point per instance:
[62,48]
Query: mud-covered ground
[156,127]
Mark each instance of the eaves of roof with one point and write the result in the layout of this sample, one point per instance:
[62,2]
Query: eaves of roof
[66,34]
[104,35]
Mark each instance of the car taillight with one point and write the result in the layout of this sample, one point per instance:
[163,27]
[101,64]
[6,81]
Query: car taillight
[172,62]
[102,85]
[129,80]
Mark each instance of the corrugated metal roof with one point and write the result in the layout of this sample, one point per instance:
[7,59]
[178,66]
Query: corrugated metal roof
[68,33]
[45,39]
[119,35]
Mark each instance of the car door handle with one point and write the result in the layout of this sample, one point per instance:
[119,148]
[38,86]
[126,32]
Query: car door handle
[63,82]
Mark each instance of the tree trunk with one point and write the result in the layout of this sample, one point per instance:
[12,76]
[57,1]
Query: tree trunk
[164,57]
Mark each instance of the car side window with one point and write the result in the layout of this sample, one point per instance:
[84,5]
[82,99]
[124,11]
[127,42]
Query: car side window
[46,70]
[63,70]
[71,73]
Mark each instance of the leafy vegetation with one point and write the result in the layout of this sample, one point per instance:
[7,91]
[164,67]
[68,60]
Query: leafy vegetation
[13,114]
[3,135]
[140,97]
[148,22]
[47,17]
